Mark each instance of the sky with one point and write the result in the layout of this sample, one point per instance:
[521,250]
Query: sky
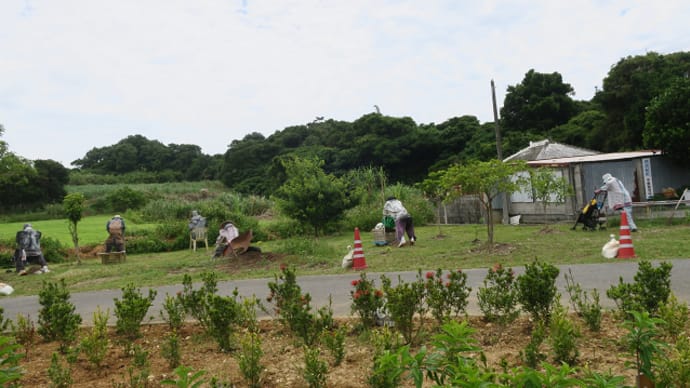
[80,74]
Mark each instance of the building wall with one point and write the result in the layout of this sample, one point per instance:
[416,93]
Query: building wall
[584,178]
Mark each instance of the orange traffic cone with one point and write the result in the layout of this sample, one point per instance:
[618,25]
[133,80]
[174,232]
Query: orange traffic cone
[358,260]
[626,250]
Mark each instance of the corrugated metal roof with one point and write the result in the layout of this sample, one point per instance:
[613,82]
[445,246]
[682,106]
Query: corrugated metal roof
[545,149]
[595,158]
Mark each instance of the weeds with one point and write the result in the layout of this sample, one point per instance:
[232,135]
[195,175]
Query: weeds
[588,309]
[24,332]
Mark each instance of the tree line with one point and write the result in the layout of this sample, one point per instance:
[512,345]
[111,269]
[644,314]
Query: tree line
[642,104]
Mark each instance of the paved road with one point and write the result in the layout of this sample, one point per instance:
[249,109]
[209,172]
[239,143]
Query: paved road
[589,276]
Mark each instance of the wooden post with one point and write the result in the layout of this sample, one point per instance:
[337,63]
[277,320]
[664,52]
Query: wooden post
[499,152]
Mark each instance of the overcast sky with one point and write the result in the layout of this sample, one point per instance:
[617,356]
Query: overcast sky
[79,74]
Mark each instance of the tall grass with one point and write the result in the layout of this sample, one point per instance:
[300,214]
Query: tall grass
[172,188]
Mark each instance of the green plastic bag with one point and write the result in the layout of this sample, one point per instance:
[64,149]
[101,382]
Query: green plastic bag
[389,222]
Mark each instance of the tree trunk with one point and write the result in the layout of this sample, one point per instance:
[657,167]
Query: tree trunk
[75,240]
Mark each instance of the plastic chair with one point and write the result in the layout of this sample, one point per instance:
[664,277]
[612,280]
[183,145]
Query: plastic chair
[198,235]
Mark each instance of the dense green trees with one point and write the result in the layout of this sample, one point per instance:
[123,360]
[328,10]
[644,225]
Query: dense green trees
[25,184]
[668,121]
[533,107]
[627,92]
[136,153]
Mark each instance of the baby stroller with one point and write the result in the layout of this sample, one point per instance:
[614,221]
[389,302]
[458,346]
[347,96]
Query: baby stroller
[592,215]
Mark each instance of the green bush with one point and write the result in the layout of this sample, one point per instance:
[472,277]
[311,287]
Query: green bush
[673,370]
[95,344]
[53,250]
[294,308]
[367,300]
[60,375]
[196,302]
[57,319]
[10,371]
[445,297]
[170,349]
[284,228]
[146,244]
[125,198]
[403,302]
[650,289]
[225,314]
[564,336]
[131,310]
[498,299]
[315,369]
[537,290]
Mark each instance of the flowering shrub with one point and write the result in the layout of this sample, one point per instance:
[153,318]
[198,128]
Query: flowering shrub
[498,298]
[403,302]
[366,300]
[446,295]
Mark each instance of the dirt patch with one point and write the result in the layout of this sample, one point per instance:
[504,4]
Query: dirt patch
[495,249]
[283,355]
[548,230]
[250,260]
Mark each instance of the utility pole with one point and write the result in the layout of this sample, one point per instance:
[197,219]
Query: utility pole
[499,151]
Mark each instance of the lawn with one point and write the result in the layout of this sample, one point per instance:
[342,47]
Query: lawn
[91,229]
[447,247]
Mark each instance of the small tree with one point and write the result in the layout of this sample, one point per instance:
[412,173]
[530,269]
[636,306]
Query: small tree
[73,206]
[434,190]
[310,195]
[487,180]
[548,188]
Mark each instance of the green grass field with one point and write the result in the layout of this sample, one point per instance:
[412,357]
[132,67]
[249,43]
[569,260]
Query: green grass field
[447,247]
[91,229]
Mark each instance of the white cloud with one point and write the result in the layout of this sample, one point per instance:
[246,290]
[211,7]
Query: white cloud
[80,74]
